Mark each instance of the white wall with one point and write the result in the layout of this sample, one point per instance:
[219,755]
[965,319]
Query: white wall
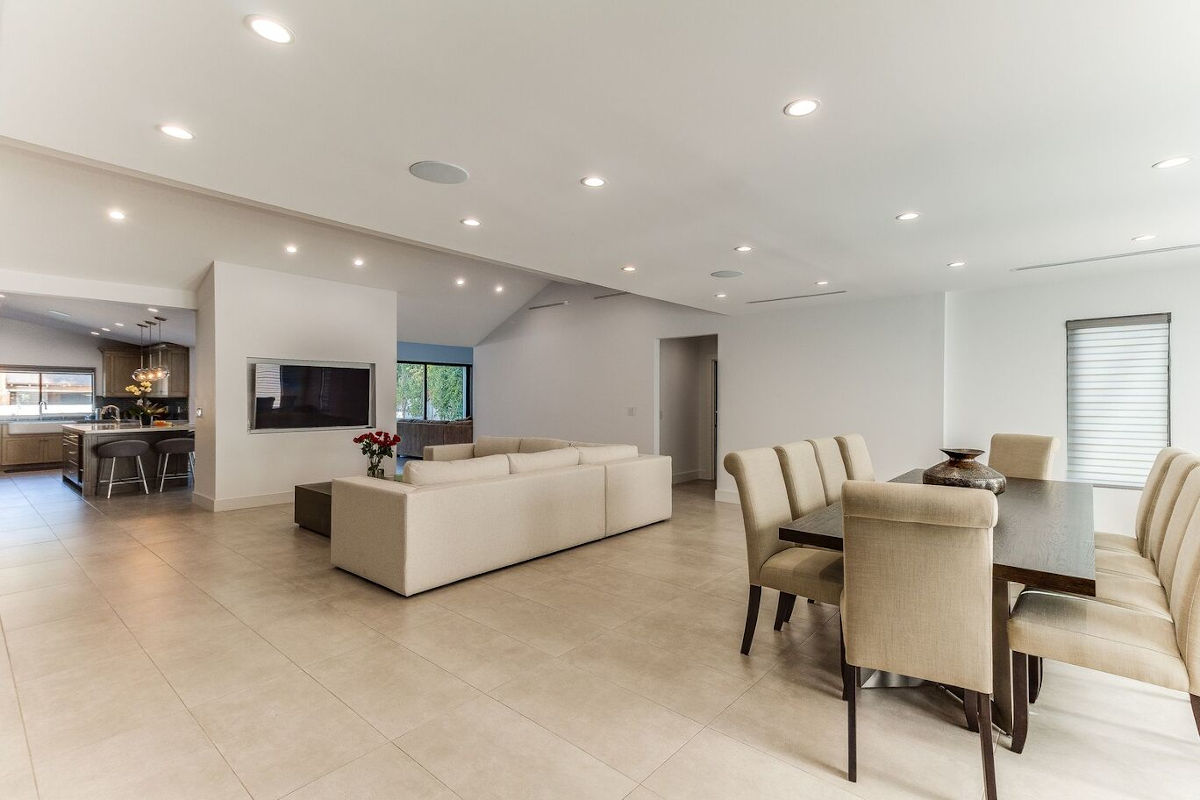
[246,313]
[30,344]
[575,372]
[1006,361]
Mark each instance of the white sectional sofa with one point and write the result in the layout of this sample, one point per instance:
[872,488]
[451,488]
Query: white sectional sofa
[472,508]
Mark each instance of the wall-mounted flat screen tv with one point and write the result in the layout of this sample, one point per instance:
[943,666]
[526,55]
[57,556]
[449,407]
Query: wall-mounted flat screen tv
[310,395]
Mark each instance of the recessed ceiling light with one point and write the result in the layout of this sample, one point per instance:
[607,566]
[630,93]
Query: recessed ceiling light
[720,295]
[1145,237]
[727,273]
[2,296]
[152,310]
[95,333]
[119,324]
[956,264]
[629,268]
[177,132]
[743,248]
[499,288]
[593,181]
[470,222]
[358,262]
[116,213]
[801,108]
[907,216]
[1177,161]
[59,313]
[107,330]
[269,29]
[291,248]
[822,283]
[461,281]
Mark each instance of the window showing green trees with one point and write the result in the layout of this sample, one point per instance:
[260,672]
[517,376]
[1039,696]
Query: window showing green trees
[432,391]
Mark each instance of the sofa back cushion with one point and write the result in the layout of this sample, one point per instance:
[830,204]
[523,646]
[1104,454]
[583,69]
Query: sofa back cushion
[547,459]
[496,445]
[602,454]
[535,444]
[429,473]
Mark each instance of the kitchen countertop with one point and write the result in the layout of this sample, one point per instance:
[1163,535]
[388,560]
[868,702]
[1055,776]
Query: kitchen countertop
[125,427]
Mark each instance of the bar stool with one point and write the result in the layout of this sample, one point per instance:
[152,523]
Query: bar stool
[127,448]
[169,447]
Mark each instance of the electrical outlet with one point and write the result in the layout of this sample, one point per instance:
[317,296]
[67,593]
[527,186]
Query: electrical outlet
[631,411]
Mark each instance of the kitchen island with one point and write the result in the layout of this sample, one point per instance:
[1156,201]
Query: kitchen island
[81,465]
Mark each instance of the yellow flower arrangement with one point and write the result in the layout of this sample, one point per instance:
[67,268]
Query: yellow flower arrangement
[139,389]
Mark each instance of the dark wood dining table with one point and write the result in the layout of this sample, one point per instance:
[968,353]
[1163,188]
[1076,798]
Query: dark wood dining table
[1044,539]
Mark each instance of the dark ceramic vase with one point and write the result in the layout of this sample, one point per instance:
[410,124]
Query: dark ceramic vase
[961,469]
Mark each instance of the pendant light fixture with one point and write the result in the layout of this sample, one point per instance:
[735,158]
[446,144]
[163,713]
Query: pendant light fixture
[160,370]
[141,374]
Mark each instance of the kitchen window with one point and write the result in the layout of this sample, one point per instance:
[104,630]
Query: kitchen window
[1118,397]
[46,391]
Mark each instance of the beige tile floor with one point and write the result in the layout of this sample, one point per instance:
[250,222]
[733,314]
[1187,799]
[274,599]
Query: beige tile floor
[153,650]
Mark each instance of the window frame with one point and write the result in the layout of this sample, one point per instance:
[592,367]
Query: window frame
[468,394]
[1120,321]
[41,371]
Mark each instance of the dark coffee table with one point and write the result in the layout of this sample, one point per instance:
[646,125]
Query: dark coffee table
[313,501]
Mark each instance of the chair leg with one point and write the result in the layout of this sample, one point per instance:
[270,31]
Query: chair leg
[790,608]
[1020,677]
[845,666]
[852,727]
[164,461]
[142,474]
[1196,710]
[971,708]
[985,743]
[112,473]
[751,618]
[1035,678]
[783,610]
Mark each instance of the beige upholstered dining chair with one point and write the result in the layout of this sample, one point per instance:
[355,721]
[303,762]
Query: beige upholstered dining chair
[1023,455]
[918,589]
[1162,649]
[802,477]
[1135,565]
[1154,481]
[856,457]
[792,571]
[833,469]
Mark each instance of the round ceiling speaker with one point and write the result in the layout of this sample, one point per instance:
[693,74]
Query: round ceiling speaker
[439,172]
[727,273]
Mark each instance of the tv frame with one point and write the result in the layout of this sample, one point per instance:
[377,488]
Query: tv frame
[251,410]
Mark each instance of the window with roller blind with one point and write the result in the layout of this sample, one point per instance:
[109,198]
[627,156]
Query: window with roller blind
[1118,397]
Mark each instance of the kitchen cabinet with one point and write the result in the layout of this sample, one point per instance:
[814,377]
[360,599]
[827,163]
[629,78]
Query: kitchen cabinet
[26,449]
[175,358]
[117,370]
[120,362]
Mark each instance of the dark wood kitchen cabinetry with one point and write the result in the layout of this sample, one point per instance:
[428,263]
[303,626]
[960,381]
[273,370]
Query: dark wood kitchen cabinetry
[120,362]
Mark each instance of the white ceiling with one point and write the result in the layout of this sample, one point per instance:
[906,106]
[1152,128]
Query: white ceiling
[93,315]
[1022,131]
[53,221]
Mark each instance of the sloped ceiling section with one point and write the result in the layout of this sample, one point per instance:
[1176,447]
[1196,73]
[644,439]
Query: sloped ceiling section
[1023,132]
[54,221]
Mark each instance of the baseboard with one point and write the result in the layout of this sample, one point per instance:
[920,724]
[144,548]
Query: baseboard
[726,496]
[237,503]
[684,477]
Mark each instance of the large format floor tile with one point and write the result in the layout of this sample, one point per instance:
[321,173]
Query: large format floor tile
[150,649]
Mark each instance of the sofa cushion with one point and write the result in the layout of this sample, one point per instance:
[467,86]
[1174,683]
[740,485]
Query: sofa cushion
[548,459]
[588,444]
[496,445]
[429,473]
[534,444]
[602,454]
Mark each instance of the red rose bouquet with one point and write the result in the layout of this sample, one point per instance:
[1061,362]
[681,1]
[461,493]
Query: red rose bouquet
[377,446]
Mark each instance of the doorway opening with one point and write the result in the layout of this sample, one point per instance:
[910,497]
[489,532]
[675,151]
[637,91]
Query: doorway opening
[686,419]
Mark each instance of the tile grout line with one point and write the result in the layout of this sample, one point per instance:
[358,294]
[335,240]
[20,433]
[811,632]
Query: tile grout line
[20,710]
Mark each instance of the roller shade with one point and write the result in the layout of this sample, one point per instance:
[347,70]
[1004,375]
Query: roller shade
[1118,397]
